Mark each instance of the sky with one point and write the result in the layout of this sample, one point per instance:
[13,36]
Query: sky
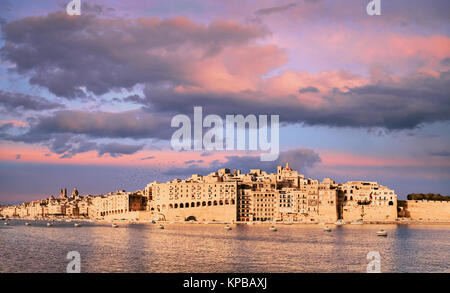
[87,100]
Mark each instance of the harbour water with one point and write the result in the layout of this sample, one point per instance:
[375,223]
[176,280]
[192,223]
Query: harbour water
[197,248]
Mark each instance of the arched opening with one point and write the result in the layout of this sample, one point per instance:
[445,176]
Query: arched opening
[221,202]
[191,218]
[170,206]
[163,206]
[186,205]
[176,205]
[232,201]
[209,203]
[215,202]
[199,203]
[227,202]
[181,206]
[203,204]
[391,203]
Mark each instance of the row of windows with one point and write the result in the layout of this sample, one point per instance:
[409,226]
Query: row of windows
[197,204]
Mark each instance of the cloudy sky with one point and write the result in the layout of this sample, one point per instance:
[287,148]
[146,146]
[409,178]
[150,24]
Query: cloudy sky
[87,100]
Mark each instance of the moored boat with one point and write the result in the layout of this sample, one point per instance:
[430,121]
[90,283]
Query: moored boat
[227,227]
[339,223]
[273,228]
[327,229]
[357,222]
[381,233]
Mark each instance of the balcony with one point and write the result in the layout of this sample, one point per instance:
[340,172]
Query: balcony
[363,202]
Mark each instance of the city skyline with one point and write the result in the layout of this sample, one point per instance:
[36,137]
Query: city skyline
[86,101]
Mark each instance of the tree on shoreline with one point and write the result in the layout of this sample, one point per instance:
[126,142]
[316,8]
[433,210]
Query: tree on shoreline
[428,196]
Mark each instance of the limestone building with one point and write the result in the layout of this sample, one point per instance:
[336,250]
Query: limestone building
[260,196]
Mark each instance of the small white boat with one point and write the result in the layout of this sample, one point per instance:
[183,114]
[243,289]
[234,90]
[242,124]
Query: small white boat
[227,227]
[381,233]
[49,224]
[339,223]
[327,229]
[6,223]
[160,227]
[357,222]
[77,224]
[115,225]
[273,228]
[250,223]
[27,224]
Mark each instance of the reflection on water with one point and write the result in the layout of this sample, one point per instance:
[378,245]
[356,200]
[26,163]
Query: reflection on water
[210,248]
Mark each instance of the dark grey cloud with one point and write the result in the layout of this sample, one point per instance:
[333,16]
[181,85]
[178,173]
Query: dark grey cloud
[441,154]
[404,14]
[298,159]
[117,149]
[309,89]
[445,62]
[70,132]
[128,124]
[193,161]
[13,101]
[148,158]
[414,100]
[275,9]
[68,146]
[134,99]
[69,54]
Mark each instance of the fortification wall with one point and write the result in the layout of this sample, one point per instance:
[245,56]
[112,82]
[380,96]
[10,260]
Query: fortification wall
[428,210]
[369,212]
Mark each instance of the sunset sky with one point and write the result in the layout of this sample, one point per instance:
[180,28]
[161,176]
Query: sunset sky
[86,101]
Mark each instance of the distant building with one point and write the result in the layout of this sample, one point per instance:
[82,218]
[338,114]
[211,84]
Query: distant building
[119,204]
